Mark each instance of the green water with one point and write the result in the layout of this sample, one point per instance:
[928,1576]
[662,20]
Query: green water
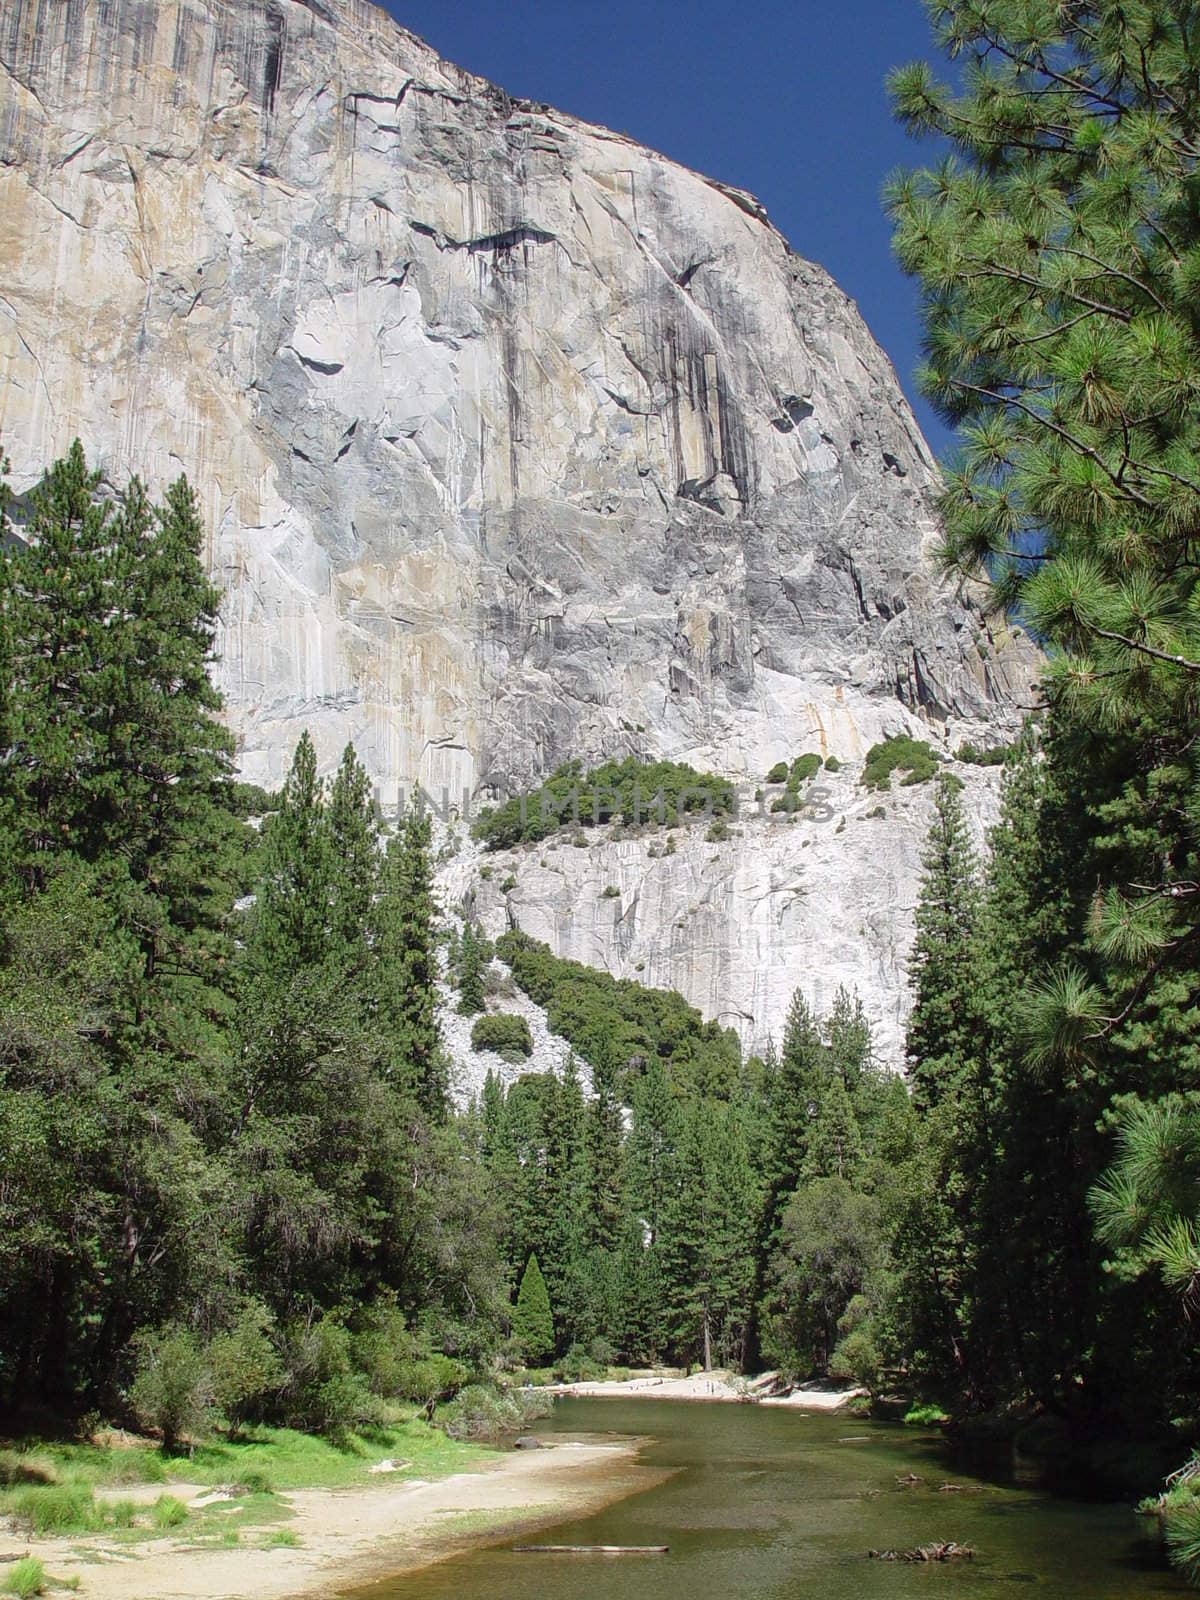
[768,1504]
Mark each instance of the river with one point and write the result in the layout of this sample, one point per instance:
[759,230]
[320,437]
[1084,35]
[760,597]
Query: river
[766,1504]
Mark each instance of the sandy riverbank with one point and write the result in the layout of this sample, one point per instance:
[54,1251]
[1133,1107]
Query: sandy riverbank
[716,1386]
[352,1536]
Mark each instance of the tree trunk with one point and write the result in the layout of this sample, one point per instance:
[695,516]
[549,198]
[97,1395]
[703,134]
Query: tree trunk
[707,1341]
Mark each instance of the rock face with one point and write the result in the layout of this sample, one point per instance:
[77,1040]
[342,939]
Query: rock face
[516,441]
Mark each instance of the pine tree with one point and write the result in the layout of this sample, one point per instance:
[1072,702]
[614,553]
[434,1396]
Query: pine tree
[406,967]
[791,1095]
[835,1147]
[533,1321]
[470,972]
[58,590]
[945,1029]
[708,1237]
[290,920]
[354,855]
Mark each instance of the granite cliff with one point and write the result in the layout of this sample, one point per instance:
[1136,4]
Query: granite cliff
[516,441]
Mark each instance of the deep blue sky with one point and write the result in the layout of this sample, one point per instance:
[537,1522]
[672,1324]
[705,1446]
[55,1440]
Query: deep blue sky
[781,97]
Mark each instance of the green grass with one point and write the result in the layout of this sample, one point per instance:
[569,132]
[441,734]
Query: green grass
[50,1486]
[924,1416]
[281,1459]
[280,1539]
[27,1577]
[168,1512]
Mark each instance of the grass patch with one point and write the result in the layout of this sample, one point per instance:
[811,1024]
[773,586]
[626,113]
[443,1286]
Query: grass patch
[282,1459]
[27,1577]
[168,1512]
[280,1539]
[924,1416]
[254,1466]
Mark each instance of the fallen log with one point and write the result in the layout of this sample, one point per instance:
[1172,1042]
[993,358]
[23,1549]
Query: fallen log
[948,1551]
[591,1549]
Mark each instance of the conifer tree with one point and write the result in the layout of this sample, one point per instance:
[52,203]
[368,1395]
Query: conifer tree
[470,972]
[533,1321]
[945,1030]
[290,919]
[354,851]
[835,1147]
[406,967]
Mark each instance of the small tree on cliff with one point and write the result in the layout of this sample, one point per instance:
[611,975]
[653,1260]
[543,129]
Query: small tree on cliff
[533,1321]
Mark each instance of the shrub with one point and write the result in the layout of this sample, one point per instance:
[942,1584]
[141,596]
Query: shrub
[505,1033]
[1182,1527]
[636,791]
[856,1359]
[483,1411]
[245,1367]
[899,754]
[26,1577]
[605,1018]
[719,832]
[325,1393]
[577,1366]
[803,768]
[611,892]
[508,885]
[832,764]
[172,1386]
[15,1468]
[990,756]
[778,773]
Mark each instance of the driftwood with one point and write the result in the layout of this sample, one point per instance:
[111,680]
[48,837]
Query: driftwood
[949,1551]
[591,1549]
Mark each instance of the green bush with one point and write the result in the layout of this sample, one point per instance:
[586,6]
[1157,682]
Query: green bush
[484,1411]
[832,764]
[655,792]
[989,756]
[577,1366]
[172,1387]
[245,1367]
[610,892]
[803,768]
[27,1577]
[719,832]
[325,1392]
[505,1033]
[778,773]
[899,754]
[1181,1524]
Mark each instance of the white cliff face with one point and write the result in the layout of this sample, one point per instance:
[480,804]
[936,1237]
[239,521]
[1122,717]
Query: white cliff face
[516,441]
[814,902]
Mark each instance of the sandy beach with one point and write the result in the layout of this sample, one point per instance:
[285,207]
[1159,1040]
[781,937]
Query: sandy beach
[716,1386]
[351,1536]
